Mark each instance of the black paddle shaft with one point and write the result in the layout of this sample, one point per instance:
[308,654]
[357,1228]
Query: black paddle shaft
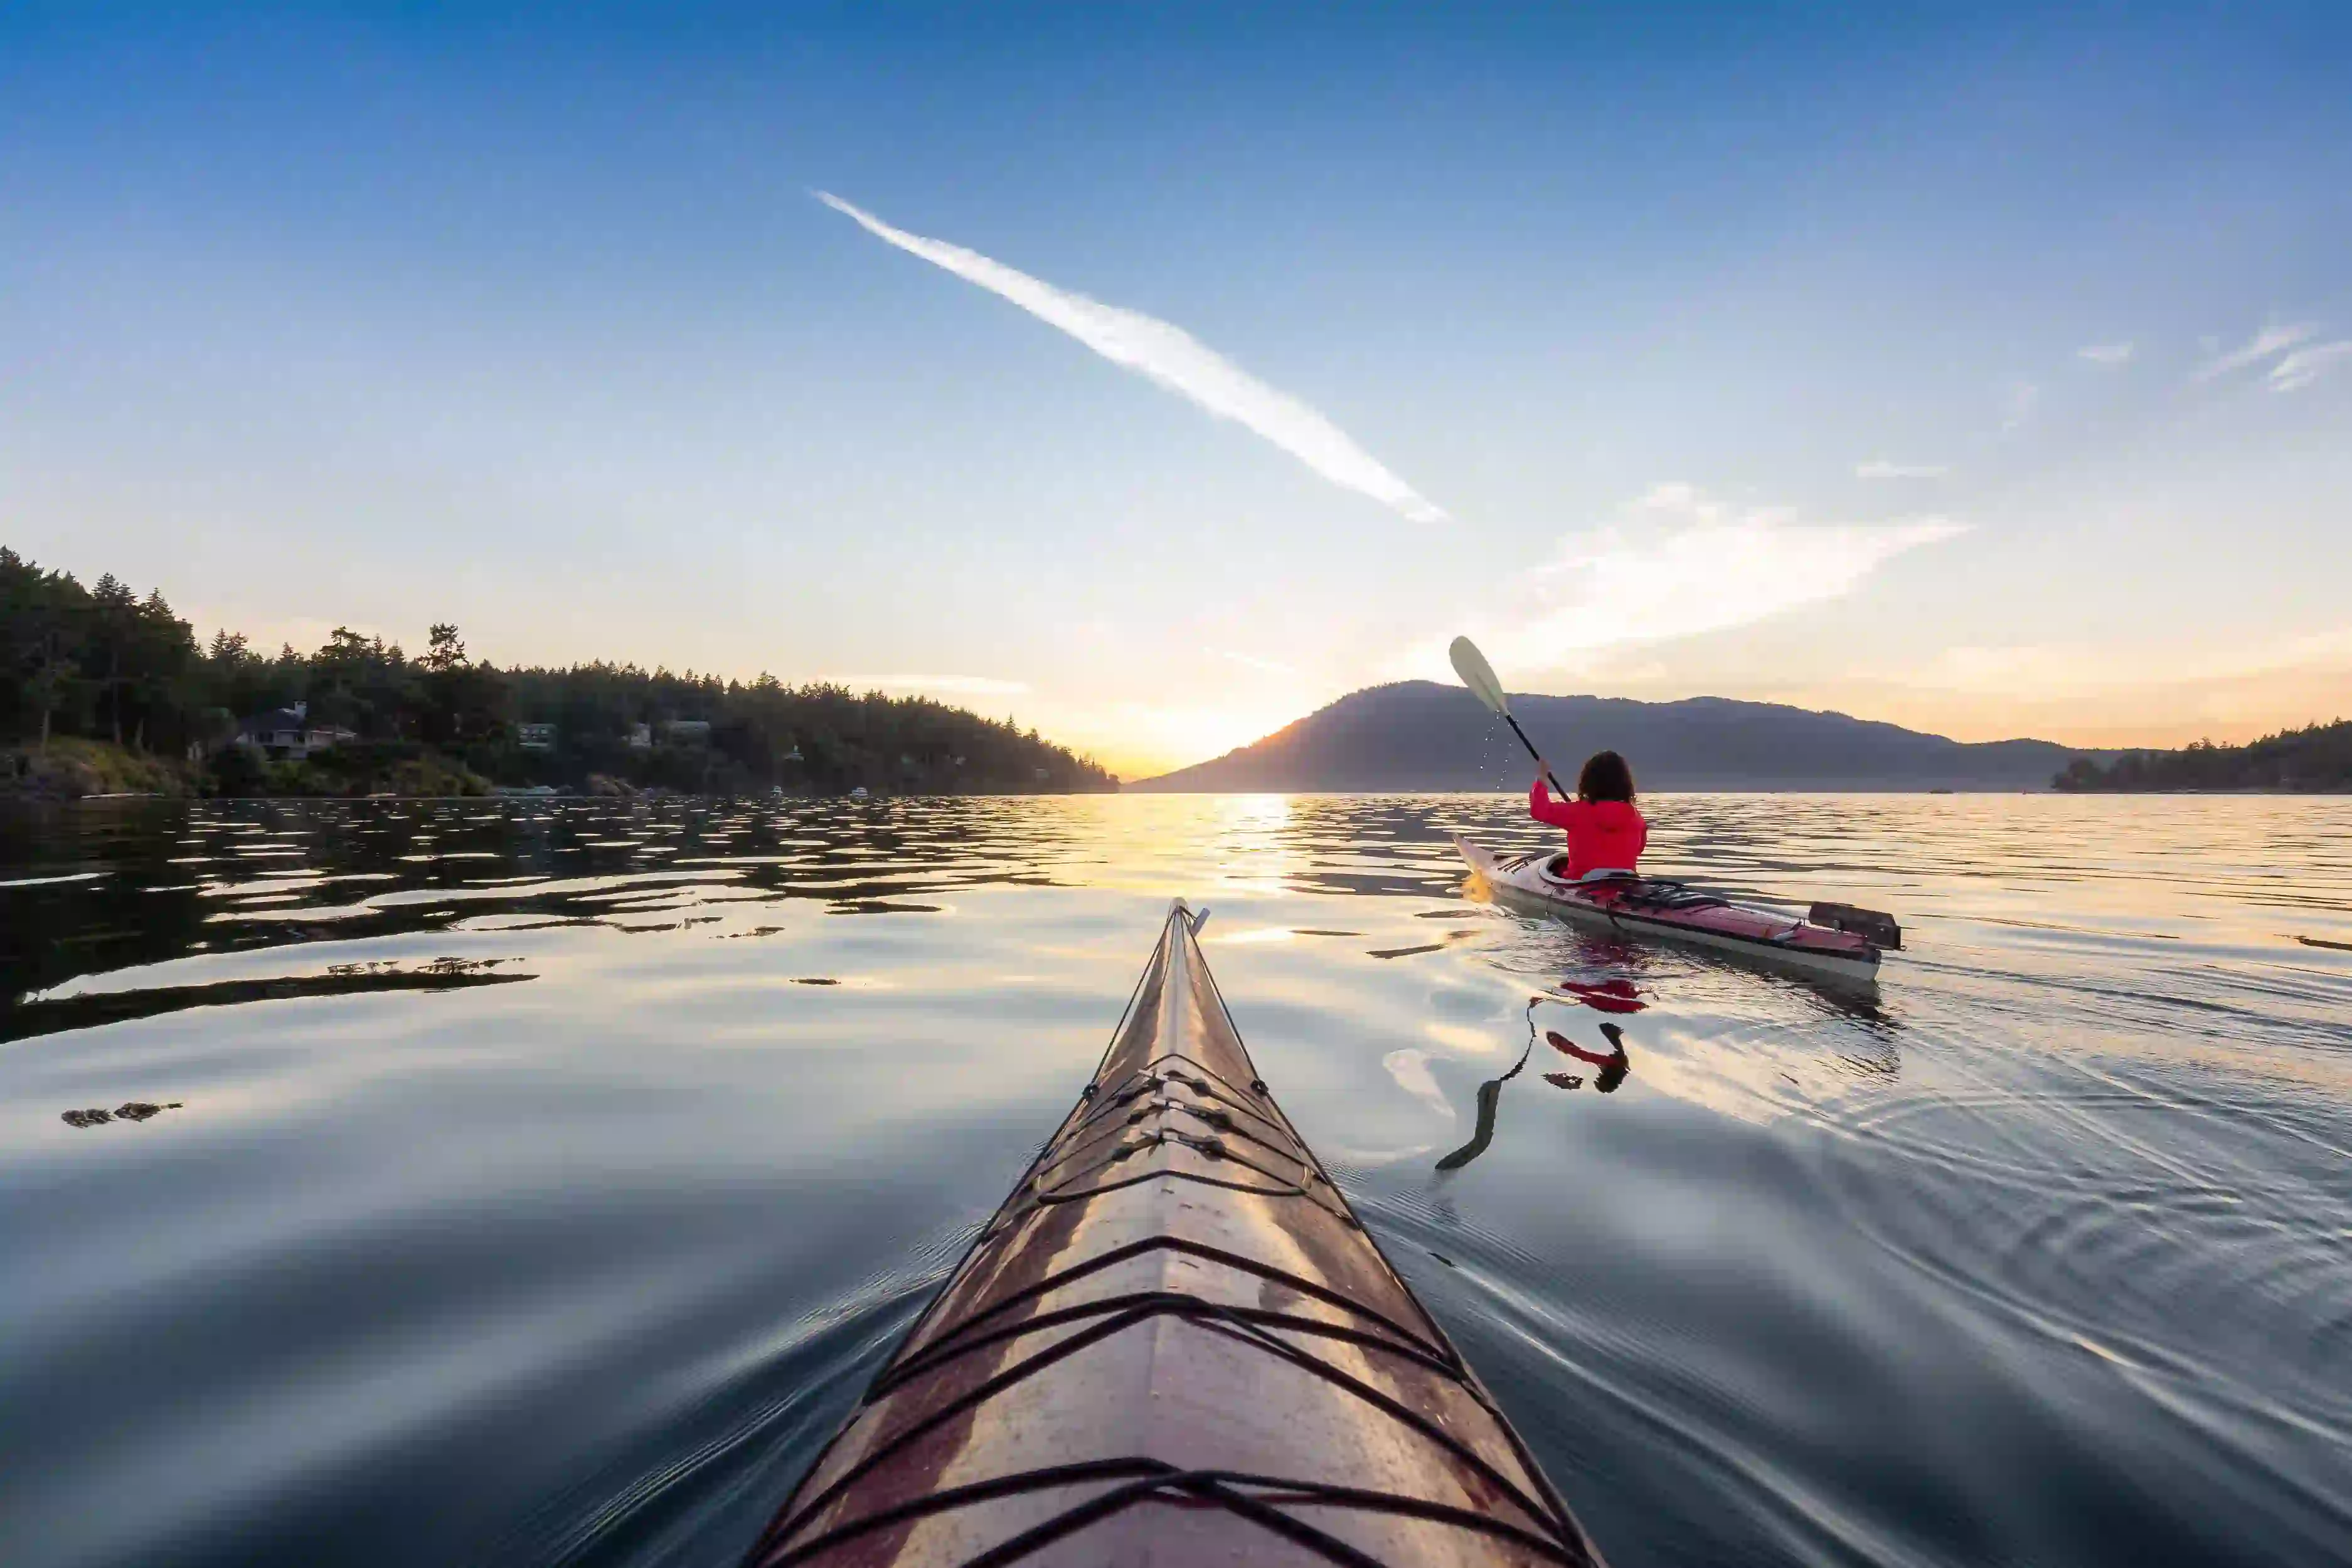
[1530,744]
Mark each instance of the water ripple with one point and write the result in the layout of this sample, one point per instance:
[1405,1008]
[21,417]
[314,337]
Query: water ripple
[537,1182]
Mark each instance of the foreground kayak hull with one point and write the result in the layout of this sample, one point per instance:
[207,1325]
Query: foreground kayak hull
[1175,1343]
[1527,881]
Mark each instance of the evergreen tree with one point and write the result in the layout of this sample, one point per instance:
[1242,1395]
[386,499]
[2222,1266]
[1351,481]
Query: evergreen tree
[105,662]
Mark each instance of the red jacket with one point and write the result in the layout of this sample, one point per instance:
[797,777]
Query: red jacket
[1602,835]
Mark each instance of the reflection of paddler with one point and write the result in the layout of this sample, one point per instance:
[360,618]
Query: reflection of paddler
[1610,1069]
[1608,997]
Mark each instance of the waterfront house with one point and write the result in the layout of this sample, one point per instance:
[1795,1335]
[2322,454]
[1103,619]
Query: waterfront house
[288,734]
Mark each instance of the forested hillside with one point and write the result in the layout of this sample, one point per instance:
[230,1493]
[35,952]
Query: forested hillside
[2317,758]
[105,664]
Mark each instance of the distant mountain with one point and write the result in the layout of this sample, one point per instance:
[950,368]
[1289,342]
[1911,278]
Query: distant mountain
[1416,735]
[2317,760]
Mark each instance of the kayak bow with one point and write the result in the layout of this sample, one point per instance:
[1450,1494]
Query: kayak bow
[1175,1343]
[1674,911]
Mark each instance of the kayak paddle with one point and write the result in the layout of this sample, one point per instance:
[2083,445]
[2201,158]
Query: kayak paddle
[1479,677]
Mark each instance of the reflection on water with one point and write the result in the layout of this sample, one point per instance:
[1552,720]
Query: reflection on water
[86,1010]
[537,1182]
[1611,1065]
[1490,1095]
[1608,996]
[133,1110]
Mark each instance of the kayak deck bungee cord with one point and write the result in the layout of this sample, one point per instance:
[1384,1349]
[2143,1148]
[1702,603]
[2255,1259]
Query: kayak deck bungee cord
[1835,940]
[1175,1343]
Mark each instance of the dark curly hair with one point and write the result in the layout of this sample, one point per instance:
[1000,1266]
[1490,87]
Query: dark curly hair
[1605,777]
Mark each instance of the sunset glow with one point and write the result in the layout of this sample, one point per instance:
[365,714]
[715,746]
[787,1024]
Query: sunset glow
[1955,393]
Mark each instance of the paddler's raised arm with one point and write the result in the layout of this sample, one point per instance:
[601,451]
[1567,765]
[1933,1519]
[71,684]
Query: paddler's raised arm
[1543,808]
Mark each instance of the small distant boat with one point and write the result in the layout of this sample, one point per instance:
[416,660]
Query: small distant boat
[860,793]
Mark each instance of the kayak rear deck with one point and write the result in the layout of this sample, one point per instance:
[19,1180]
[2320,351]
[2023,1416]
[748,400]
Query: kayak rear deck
[1175,1343]
[1649,909]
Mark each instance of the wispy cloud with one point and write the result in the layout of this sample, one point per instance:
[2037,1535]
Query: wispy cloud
[2272,340]
[1879,468]
[2018,403]
[1173,358]
[2105,354]
[1680,564]
[957,685]
[2305,366]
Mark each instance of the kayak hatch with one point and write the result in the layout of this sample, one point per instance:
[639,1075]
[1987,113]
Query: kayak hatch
[1175,1343]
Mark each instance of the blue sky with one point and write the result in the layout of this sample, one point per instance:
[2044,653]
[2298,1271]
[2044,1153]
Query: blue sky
[1977,370]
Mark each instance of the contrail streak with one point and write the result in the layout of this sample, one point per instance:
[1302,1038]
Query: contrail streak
[1173,358]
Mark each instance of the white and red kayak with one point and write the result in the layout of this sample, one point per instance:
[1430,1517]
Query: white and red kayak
[1835,940]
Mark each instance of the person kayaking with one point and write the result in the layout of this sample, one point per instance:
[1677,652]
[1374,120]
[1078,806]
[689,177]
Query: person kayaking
[1606,831]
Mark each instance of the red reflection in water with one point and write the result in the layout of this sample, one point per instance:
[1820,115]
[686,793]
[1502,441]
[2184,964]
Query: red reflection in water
[1612,1065]
[1608,996]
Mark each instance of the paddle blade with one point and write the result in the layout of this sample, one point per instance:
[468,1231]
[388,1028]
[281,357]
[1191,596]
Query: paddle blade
[1477,674]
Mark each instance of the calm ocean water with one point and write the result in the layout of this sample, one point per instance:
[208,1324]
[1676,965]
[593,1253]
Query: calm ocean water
[537,1183]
